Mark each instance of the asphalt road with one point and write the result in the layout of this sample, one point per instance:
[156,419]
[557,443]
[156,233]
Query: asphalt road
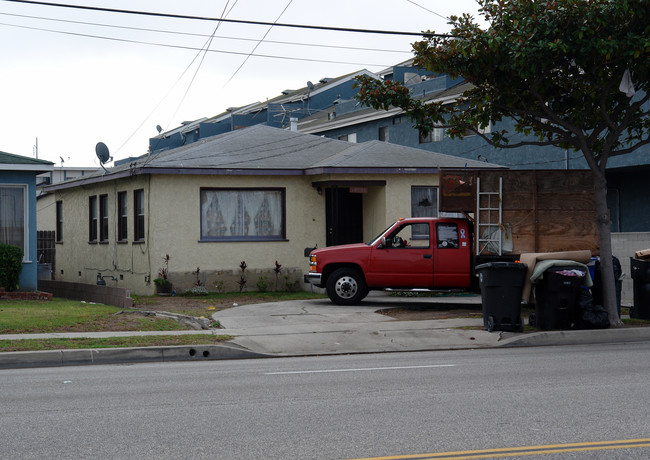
[334,407]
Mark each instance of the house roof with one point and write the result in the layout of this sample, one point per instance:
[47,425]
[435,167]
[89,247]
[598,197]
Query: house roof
[11,162]
[321,121]
[264,150]
[286,97]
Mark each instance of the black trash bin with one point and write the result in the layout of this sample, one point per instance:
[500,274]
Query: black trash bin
[641,278]
[597,288]
[501,286]
[556,298]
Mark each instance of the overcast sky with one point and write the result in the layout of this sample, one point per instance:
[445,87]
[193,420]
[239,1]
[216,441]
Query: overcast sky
[72,78]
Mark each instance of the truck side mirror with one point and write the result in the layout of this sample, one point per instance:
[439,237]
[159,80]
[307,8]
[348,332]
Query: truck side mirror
[383,242]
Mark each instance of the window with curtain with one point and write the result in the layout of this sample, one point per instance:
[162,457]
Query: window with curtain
[12,216]
[424,203]
[103,218]
[242,214]
[122,217]
[92,219]
[138,215]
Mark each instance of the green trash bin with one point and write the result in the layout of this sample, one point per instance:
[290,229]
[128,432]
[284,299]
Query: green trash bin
[501,286]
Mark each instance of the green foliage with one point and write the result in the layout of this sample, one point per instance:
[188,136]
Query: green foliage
[559,71]
[552,66]
[11,264]
[220,286]
[163,273]
[291,285]
[196,291]
[111,342]
[262,284]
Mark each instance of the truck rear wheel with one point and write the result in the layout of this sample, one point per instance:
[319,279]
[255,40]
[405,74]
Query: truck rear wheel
[346,286]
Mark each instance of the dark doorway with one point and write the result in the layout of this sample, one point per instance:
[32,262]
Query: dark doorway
[344,216]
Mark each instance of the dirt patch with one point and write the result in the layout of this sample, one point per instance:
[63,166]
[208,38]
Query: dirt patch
[197,306]
[407,314]
[189,305]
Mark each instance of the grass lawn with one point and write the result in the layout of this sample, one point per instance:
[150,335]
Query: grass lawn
[112,342]
[63,315]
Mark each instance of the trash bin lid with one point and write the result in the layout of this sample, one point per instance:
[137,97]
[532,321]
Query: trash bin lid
[502,265]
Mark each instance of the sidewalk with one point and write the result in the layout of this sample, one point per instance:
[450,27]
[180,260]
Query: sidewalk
[317,327]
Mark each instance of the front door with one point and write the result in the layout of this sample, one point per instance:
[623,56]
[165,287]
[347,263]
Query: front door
[344,216]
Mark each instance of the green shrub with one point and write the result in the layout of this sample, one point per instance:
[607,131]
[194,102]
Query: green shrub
[11,264]
[262,284]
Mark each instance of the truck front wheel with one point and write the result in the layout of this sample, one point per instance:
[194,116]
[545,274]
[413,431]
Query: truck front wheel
[346,286]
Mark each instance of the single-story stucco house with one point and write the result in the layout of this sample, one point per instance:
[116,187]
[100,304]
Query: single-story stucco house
[256,195]
[18,210]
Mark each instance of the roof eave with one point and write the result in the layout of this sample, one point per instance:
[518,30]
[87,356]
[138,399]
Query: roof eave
[40,168]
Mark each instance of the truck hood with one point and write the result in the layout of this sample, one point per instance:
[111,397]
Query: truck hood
[357,246]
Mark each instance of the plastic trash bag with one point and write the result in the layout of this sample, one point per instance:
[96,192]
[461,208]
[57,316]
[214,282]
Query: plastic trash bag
[590,315]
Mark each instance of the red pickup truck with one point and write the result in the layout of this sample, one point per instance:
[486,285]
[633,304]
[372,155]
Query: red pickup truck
[412,254]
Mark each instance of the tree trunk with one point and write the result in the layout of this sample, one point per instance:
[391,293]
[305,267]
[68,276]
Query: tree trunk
[605,242]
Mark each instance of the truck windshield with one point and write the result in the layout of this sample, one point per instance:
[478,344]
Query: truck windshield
[378,237]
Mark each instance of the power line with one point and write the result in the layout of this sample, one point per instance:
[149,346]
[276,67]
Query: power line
[190,34]
[234,21]
[257,45]
[204,53]
[139,42]
[427,9]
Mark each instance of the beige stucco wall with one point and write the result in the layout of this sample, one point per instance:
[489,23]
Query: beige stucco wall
[383,205]
[46,212]
[172,226]
[175,230]
[80,261]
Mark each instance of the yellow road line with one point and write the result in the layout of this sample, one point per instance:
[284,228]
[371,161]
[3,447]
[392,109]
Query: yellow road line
[520,451]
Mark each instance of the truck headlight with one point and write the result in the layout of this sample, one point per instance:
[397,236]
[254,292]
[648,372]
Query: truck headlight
[312,263]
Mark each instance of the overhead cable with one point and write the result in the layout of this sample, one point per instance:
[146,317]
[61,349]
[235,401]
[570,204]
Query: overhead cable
[270,56]
[193,34]
[234,21]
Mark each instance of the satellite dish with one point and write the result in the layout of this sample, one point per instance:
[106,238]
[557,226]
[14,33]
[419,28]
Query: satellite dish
[310,85]
[102,154]
[159,129]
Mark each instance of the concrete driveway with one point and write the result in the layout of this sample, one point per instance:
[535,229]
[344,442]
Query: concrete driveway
[313,327]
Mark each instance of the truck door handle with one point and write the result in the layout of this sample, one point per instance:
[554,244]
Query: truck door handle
[427,256]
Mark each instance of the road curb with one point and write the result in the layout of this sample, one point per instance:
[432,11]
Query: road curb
[580,337]
[84,357]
